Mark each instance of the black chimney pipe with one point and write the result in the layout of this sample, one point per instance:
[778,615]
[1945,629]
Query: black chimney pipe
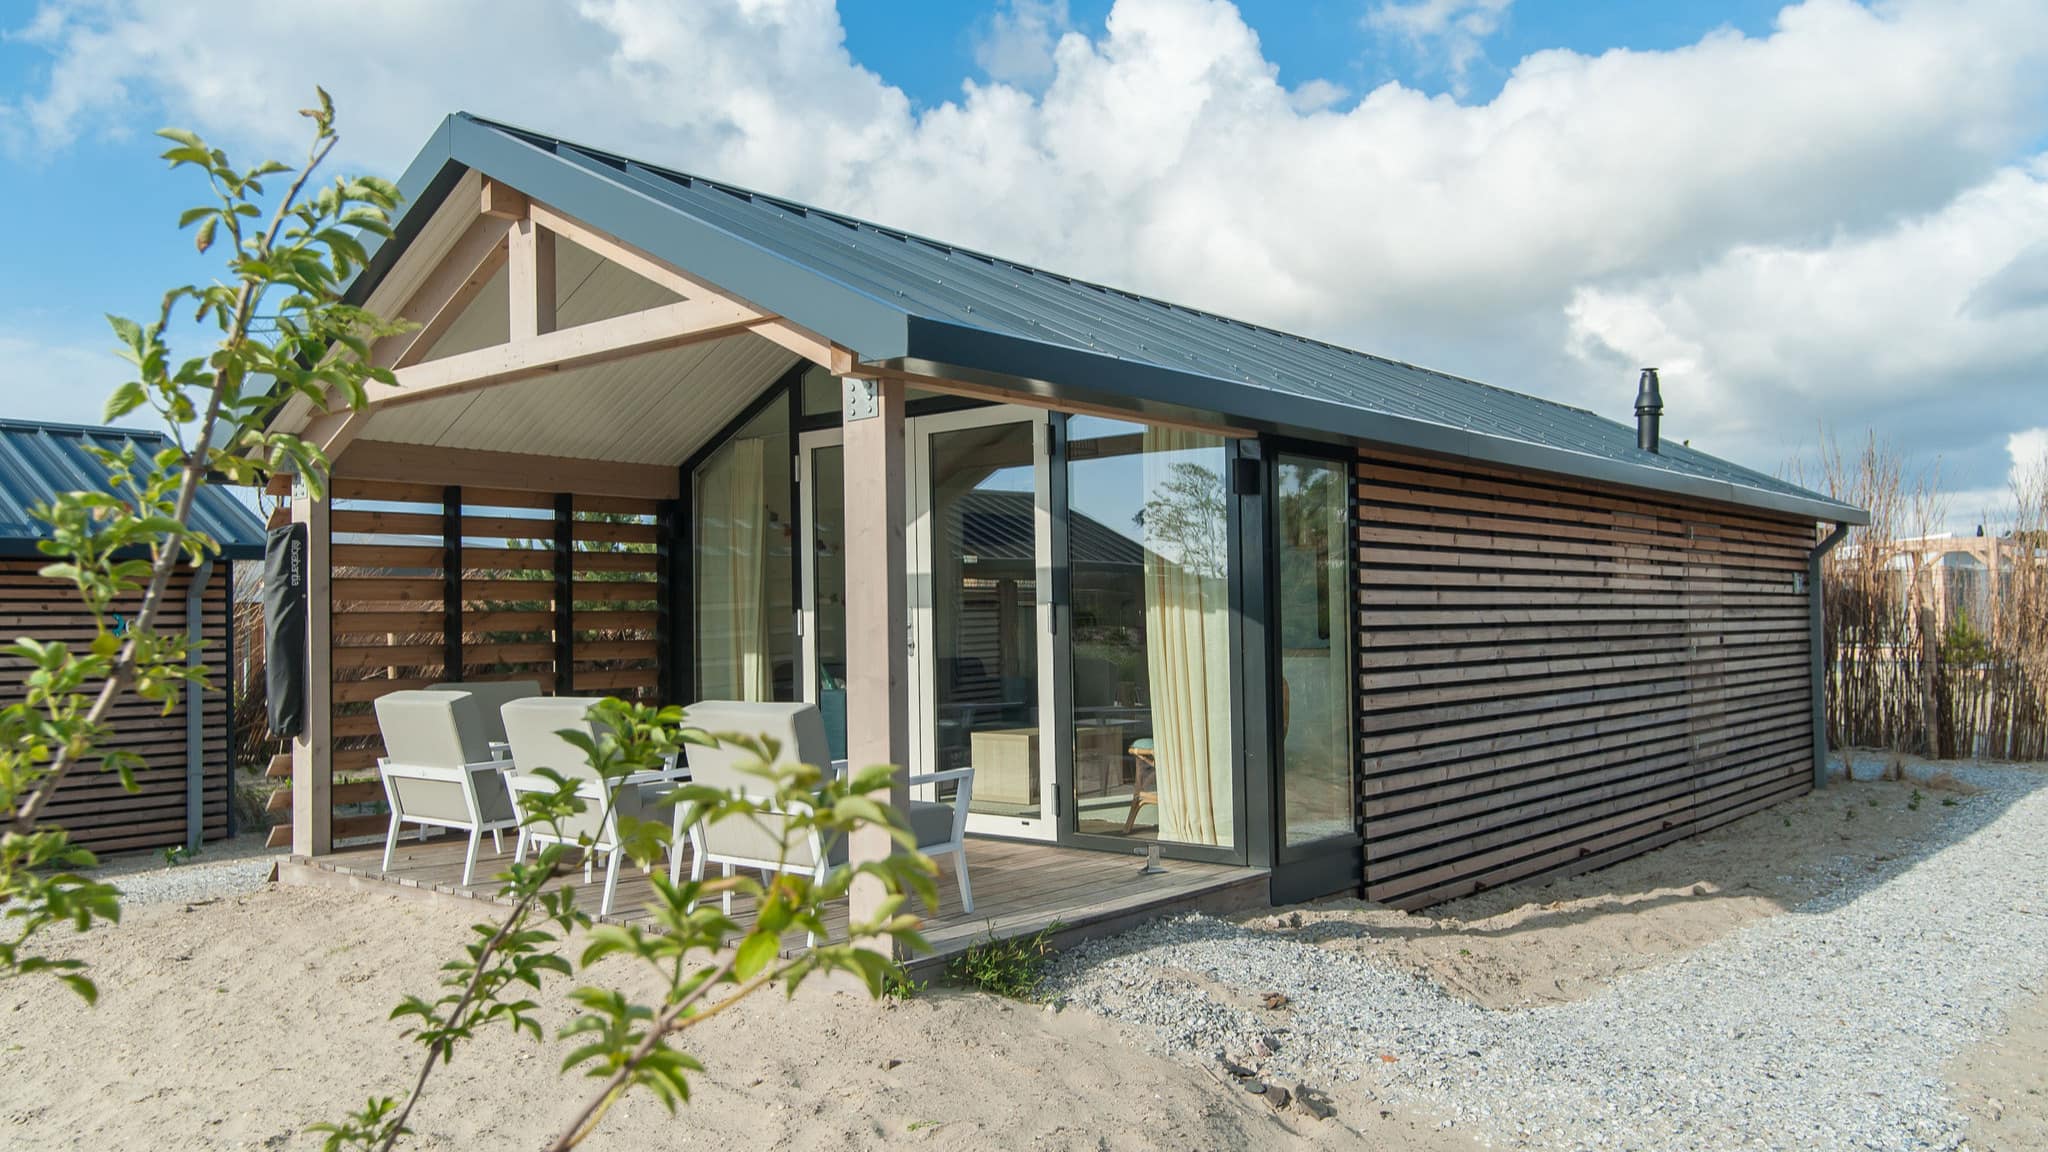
[1649,410]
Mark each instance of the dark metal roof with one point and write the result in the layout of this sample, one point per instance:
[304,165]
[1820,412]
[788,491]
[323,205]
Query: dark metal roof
[903,301]
[39,460]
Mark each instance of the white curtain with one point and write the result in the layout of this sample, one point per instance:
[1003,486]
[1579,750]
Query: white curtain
[1187,634]
[733,626]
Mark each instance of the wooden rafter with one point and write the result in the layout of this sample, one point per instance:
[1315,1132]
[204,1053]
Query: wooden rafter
[634,334]
[447,292]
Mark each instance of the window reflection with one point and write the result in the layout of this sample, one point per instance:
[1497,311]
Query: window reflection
[1148,540]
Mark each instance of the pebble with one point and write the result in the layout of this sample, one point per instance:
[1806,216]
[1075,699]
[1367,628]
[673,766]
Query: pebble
[1830,1022]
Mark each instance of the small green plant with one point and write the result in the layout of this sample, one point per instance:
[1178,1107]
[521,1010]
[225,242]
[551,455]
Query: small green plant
[178,854]
[921,1125]
[1913,801]
[898,986]
[1012,968]
[1948,801]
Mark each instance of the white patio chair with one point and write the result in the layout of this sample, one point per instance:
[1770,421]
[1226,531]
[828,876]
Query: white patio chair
[756,842]
[531,727]
[438,772]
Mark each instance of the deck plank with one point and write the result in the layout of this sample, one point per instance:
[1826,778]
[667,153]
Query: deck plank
[1020,888]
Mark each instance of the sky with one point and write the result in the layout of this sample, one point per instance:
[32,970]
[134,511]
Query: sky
[1821,218]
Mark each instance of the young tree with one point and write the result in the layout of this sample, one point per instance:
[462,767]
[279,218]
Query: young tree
[283,329]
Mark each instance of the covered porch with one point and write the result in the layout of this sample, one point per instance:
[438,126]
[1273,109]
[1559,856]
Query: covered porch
[604,474]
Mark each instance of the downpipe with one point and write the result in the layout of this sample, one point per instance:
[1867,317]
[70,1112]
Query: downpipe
[1819,652]
[195,713]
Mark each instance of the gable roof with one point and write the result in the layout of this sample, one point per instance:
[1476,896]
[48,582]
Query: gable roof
[905,302]
[38,460]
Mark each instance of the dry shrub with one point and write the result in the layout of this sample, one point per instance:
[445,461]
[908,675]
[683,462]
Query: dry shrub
[1947,781]
[1898,675]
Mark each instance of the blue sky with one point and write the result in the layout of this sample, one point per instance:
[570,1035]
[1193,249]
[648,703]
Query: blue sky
[1818,215]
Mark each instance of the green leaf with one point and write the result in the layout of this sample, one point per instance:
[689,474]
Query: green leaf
[204,239]
[755,953]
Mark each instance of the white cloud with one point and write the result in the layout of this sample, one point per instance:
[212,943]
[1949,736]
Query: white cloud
[1016,45]
[1832,221]
[1453,31]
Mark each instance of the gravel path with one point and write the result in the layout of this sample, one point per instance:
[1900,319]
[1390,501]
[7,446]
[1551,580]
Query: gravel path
[1825,1027]
[221,869]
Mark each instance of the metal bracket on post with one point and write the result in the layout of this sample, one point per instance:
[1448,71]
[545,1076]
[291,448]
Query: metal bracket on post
[861,399]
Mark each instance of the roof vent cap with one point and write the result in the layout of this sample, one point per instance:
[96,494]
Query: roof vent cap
[1649,410]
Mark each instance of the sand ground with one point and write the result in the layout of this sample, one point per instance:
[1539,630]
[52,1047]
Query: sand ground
[237,1022]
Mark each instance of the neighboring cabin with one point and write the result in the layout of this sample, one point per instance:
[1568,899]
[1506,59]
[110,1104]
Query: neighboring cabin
[185,779]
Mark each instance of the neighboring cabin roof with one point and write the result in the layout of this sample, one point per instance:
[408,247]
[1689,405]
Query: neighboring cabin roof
[996,524]
[902,301]
[39,460]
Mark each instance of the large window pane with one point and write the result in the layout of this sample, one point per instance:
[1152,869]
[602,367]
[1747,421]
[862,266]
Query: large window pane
[1148,538]
[746,624]
[984,625]
[1315,651]
[828,575]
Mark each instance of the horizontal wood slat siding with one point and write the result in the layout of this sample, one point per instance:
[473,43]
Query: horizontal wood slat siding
[1553,677]
[92,804]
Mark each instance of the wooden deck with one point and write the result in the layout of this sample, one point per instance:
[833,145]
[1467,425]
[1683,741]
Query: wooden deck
[1019,888]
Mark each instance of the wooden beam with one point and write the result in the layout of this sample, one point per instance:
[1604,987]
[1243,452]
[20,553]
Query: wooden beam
[877,619]
[1026,399]
[625,255]
[530,280]
[636,333]
[313,748]
[503,201]
[474,468]
[446,292]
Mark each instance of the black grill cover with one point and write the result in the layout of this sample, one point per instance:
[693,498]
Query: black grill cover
[284,625]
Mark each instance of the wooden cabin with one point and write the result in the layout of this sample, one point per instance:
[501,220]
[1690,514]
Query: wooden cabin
[1163,579]
[185,781]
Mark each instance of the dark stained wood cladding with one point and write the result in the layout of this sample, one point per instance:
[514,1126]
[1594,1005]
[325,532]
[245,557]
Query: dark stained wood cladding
[1555,677]
[100,814]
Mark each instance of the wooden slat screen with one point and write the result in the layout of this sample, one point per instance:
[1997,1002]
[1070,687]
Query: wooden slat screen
[617,592]
[99,813]
[1555,677]
[391,592]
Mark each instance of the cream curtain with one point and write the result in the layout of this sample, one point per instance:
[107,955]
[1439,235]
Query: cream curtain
[1187,634]
[732,564]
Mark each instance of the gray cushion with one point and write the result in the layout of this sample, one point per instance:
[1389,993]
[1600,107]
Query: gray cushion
[491,698]
[431,729]
[931,822]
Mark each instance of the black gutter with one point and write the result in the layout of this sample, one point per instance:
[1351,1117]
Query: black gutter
[1818,655]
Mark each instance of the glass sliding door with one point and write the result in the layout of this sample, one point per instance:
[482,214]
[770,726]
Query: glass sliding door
[744,574]
[979,596]
[1310,606]
[1148,533]
[823,554]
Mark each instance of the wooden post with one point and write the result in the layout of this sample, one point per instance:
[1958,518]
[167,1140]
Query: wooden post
[530,280]
[313,749]
[877,615]
[565,594]
[451,583]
